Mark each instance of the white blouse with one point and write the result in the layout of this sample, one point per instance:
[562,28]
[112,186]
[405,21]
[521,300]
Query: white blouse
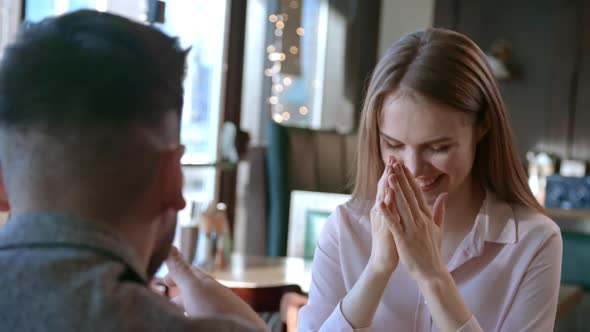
[507,269]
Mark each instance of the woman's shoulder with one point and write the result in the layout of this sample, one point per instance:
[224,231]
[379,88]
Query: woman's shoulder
[349,216]
[534,227]
[355,211]
[532,220]
[522,224]
[524,230]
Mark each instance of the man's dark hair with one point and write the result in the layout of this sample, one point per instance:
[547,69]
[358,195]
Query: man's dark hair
[88,67]
[79,83]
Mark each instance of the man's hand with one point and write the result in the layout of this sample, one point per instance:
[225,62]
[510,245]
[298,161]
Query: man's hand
[202,296]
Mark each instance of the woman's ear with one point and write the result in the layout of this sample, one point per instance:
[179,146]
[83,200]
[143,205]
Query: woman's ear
[481,129]
[4,206]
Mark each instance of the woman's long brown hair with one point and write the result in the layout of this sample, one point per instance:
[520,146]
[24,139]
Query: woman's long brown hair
[450,68]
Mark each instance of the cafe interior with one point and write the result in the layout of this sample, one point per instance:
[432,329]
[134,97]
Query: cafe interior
[273,96]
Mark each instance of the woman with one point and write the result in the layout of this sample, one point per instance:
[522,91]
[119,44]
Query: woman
[442,230]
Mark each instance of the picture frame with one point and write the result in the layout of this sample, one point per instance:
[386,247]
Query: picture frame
[308,213]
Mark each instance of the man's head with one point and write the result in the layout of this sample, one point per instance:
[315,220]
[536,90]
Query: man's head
[89,121]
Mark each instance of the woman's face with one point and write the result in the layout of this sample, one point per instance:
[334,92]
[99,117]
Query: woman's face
[435,141]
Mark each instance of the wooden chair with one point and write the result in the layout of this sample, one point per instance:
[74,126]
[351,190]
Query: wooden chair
[265,299]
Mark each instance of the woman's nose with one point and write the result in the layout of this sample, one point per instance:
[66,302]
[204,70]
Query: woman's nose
[413,163]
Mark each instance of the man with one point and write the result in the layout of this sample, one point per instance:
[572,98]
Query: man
[90,156]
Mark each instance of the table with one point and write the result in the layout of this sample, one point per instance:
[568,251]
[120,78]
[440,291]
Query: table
[261,281]
[261,271]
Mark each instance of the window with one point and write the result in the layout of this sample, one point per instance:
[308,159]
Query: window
[36,10]
[10,14]
[200,25]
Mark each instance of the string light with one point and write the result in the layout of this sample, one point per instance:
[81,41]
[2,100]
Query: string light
[277,117]
[276,67]
[277,54]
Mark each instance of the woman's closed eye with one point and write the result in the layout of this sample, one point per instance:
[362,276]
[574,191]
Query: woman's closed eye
[394,146]
[434,148]
[440,149]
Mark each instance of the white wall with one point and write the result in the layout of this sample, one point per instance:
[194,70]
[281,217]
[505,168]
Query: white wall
[399,17]
[337,109]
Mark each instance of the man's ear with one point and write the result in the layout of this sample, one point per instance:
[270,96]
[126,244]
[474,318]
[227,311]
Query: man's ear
[4,205]
[172,179]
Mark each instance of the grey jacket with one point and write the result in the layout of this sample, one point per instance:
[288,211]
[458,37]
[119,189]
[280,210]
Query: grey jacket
[59,273]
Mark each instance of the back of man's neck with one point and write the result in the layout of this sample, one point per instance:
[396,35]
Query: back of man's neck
[138,237]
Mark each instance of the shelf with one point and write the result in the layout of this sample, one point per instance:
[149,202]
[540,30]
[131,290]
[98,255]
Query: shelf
[570,214]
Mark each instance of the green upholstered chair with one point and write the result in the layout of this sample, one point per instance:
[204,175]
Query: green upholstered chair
[302,159]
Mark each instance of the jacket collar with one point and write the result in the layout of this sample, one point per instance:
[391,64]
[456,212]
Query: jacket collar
[53,229]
